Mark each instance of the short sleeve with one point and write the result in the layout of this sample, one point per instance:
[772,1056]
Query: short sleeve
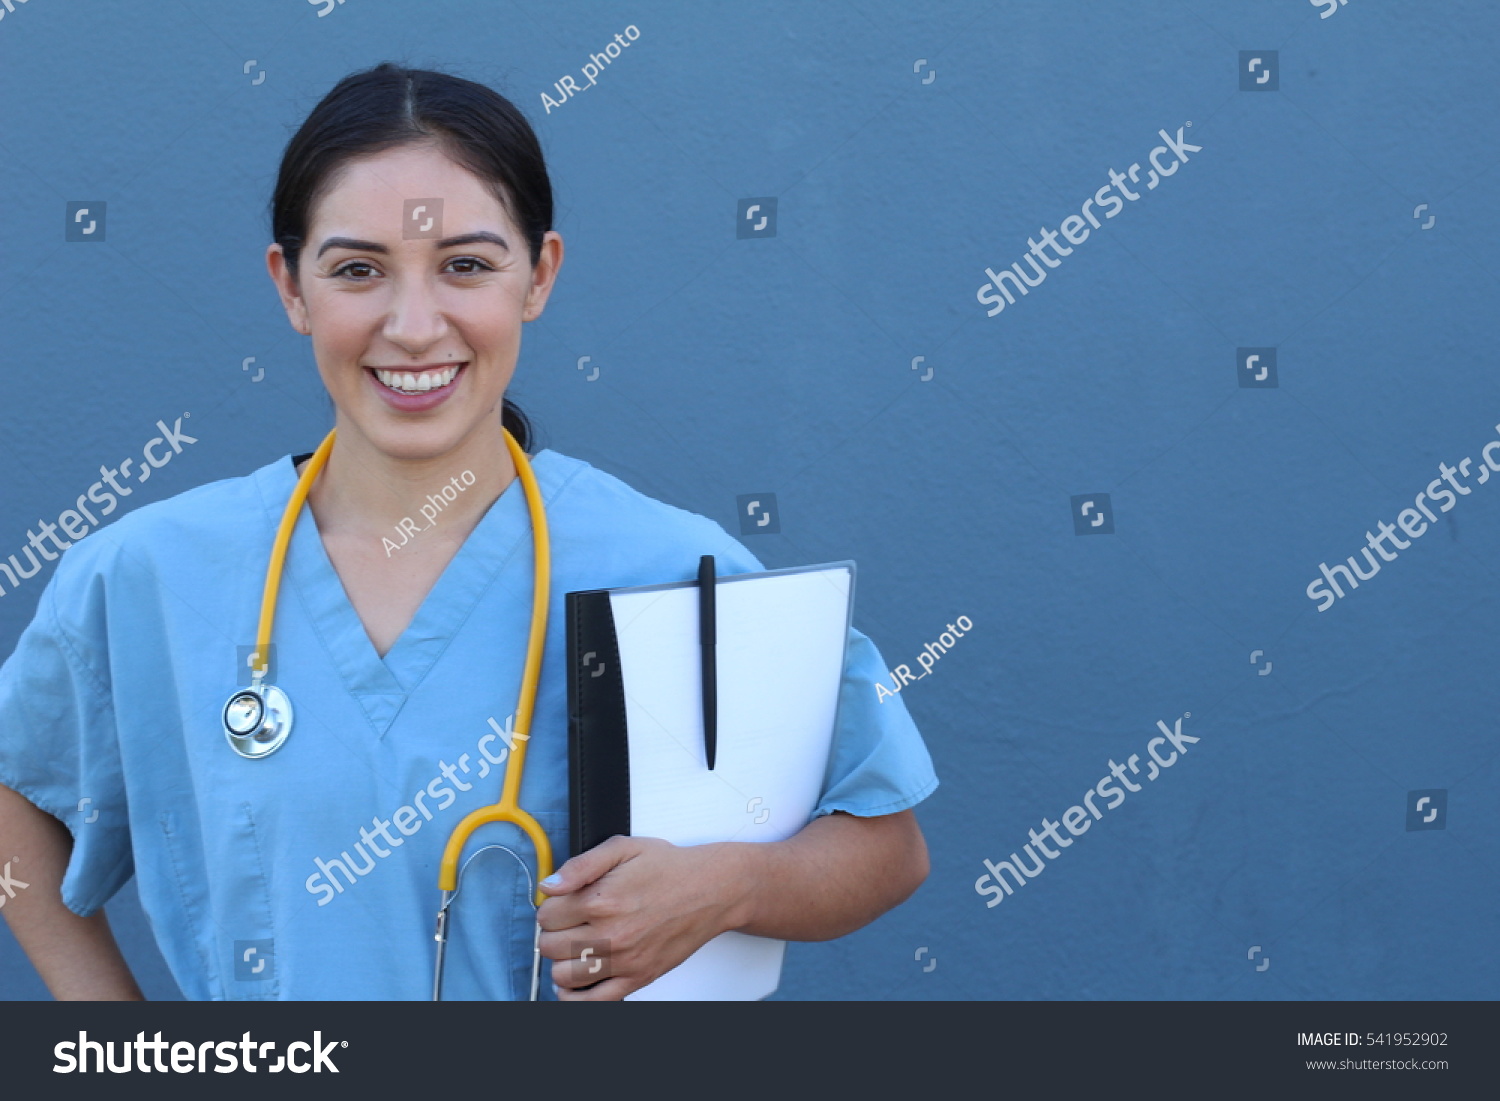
[60,750]
[879,764]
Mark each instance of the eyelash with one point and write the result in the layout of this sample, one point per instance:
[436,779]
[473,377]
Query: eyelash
[343,268]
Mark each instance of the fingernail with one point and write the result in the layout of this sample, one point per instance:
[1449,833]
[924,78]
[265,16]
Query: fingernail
[553,880]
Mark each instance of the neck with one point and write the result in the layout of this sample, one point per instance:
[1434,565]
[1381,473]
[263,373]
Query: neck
[365,493]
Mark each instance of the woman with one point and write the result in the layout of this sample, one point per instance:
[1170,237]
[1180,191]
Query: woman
[311,873]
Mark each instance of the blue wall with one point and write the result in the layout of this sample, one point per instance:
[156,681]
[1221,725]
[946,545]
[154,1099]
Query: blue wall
[908,148]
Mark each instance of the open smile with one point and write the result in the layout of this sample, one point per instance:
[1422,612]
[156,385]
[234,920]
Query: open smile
[416,382]
[417,389]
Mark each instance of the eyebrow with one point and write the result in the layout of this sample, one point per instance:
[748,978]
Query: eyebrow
[482,237]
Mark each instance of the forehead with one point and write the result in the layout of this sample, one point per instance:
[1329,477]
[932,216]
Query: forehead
[371,194]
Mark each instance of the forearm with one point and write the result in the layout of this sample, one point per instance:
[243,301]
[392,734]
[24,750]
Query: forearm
[836,875]
[76,957]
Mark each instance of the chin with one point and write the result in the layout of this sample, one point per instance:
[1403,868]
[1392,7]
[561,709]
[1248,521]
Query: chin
[411,440]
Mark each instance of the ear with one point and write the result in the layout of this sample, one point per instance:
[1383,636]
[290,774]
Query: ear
[543,276]
[286,287]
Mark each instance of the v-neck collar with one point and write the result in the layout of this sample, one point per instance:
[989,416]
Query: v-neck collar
[383,685]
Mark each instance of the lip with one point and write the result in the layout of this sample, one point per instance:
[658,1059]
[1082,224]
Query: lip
[416,403]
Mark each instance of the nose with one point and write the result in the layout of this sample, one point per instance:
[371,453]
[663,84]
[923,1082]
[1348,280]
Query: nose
[415,322]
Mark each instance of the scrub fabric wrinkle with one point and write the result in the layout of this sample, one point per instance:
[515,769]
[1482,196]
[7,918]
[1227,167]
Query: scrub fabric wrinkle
[320,861]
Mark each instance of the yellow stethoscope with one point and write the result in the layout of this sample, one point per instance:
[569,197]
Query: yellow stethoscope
[258,719]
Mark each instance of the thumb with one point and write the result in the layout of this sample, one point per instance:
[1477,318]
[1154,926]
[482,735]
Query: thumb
[588,866]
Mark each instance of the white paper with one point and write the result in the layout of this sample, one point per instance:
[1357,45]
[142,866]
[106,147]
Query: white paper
[781,639]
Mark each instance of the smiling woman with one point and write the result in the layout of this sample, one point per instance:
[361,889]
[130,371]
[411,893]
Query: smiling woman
[412,242]
[413,238]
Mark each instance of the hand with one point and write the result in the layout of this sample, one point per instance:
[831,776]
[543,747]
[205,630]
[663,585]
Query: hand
[631,909]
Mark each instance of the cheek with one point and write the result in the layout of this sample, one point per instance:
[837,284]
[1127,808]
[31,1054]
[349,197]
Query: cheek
[340,337]
[337,361]
[498,339]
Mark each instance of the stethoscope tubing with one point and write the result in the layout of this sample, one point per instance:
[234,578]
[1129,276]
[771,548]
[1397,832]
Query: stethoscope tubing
[267,727]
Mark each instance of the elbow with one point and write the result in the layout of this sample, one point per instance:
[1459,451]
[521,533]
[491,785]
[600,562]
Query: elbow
[907,860]
[917,864]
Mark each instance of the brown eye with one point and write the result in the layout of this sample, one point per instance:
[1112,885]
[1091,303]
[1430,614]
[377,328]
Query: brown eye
[347,269]
[482,266]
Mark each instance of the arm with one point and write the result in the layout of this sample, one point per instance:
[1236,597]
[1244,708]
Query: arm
[835,876]
[76,957]
[656,903]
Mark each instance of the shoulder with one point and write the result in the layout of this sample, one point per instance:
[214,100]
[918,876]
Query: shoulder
[600,512]
[207,527]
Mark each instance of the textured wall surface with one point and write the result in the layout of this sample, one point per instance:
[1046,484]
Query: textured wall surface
[1126,478]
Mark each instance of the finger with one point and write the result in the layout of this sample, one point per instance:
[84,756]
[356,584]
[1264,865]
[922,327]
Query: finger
[556,914]
[586,967]
[611,990]
[588,866]
[569,943]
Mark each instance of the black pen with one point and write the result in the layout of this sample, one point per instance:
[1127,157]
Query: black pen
[706,634]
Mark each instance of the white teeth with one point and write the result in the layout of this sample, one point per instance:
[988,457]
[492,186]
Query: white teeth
[413,383]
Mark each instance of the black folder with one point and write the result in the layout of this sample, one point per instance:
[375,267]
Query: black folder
[598,737]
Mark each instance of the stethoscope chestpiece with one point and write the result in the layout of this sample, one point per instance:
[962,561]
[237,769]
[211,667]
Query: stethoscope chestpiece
[257,720]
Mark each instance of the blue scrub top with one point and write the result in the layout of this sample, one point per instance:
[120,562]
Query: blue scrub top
[312,874]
